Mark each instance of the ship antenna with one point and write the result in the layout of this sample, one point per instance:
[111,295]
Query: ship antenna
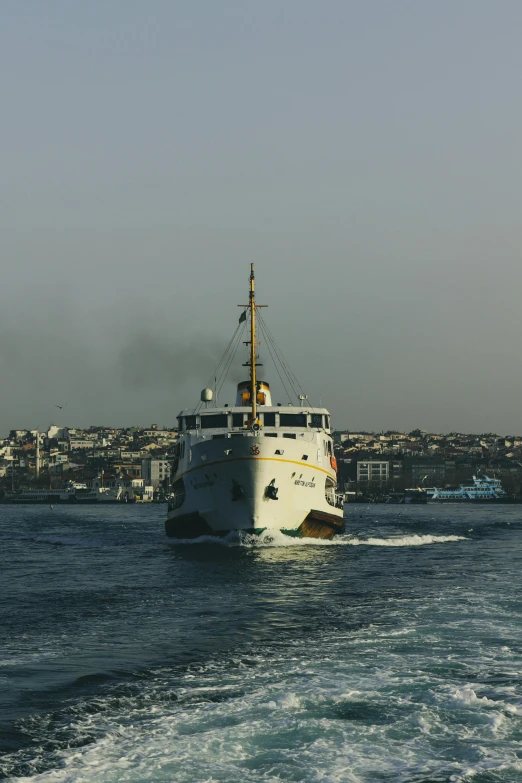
[253,394]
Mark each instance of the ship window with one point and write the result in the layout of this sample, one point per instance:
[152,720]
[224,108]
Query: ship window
[270,434]
[216,437]
[327,422]
[209,421]
[316,420]
[269,419]
[238,419]
[289,435]
[292,419]
[190,422]
[236,435]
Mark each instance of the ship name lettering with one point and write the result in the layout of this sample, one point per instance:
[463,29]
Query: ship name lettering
[304,483]
[203,485]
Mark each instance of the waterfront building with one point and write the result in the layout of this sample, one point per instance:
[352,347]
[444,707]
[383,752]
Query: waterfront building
[154,470]
[373,471]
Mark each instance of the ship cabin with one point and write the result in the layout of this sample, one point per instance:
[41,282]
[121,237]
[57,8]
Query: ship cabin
[282,421]
[285,421]
[296,430]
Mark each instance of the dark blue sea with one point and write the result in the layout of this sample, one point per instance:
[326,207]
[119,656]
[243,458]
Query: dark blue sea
[392,654]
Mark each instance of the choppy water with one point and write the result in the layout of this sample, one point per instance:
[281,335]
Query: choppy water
[391,654]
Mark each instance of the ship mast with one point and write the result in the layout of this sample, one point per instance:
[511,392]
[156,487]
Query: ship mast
[253,390]
[253,420]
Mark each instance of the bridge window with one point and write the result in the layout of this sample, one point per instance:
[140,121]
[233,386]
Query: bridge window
[190,422]
[316,420]
[238,419]
[212,420]
[292,419]
[269,419]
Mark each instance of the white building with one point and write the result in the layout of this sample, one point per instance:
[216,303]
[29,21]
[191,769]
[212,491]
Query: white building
[57,432]
[154,470]
[141,491]
[373,471]
[75,444]
[161,434]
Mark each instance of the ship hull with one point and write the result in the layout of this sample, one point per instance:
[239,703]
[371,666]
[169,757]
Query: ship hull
[42,501]
[474,501]
[316,524]
[255,485]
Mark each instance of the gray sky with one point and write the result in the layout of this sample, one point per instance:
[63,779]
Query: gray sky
[367,156]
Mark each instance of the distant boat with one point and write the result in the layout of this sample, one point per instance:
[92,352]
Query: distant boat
[48,496]
[115,492]
[482,490]
[74,492]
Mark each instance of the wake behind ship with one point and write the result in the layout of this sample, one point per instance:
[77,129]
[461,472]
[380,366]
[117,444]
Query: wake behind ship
[254,467]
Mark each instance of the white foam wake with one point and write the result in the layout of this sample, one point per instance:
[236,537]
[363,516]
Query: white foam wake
[404,540]
[278,539]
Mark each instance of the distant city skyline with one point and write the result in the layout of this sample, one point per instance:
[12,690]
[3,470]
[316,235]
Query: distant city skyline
[366,156]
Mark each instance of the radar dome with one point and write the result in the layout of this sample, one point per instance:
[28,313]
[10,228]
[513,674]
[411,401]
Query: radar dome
[207,395]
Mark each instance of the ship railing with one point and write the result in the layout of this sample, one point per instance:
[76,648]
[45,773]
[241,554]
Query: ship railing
[334,500]
[176,501]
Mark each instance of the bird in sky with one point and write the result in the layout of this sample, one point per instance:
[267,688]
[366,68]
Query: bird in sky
[60,406]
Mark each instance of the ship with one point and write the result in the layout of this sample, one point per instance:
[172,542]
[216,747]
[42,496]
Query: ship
[101,491]
[115,490]
[480,490]
[254,468]
[48,496]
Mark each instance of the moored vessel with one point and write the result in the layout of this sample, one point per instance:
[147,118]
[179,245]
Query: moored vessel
[41,495]
[254,467]
[116,489]
[480,490]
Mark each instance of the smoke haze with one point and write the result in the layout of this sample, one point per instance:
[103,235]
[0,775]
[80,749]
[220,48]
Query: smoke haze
[366,157]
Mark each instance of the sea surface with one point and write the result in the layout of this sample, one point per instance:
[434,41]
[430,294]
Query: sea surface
[393,653]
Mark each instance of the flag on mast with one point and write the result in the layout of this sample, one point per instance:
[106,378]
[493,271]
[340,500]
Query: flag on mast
[242,317]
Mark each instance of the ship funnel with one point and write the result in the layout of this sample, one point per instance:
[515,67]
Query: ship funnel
[243,397]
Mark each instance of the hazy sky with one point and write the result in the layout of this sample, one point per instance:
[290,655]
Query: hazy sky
[367,156]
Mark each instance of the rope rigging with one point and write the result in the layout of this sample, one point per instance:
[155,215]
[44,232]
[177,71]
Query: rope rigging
[292,378]
[230,361]
[281,365]
[267,340]
[225,362]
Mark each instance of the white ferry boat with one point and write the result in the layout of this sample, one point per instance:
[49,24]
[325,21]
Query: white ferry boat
[482,490]
[42,495]
[101,491]
[254,467]
[97,491]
